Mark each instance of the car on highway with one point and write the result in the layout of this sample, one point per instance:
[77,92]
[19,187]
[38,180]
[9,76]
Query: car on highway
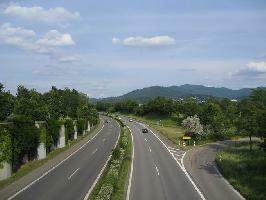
[130,120]
[144,130]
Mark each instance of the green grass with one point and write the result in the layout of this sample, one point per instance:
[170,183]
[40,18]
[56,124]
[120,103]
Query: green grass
[30,166]
[245,170]
[119,186]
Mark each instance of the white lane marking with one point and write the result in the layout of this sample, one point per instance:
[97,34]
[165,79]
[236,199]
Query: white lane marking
[174,149]
[180,165]
[157,170]
[132,165]
[72,174]
[145,139]
[94,151]
[44,174]
[149,149]
[102,170]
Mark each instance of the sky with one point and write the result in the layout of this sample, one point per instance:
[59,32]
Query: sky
[108,48]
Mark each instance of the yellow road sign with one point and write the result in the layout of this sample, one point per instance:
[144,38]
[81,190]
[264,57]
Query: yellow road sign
[186,138]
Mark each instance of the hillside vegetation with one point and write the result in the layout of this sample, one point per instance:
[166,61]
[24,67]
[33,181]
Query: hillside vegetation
[174,92]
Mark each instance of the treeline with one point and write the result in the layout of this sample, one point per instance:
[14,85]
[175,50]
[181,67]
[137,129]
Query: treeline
[30,118]
[221,118]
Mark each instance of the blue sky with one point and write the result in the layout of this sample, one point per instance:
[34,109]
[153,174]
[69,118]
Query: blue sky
[108,48]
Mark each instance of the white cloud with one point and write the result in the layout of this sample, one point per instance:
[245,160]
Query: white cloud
[257,66]
[116,40]
[68,59]
[37,13]
[145,42]
[17,36]
[253,69]
[27,39]
[55,38]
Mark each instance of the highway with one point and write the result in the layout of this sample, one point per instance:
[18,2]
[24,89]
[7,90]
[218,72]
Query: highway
[156,175]
[73,178]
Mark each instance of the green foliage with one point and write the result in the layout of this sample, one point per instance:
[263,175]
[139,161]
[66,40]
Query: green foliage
[5,145]
[69,130]
[6,103]
[53,127]
[81,125]
[25,139]
[245,170]
[30,103]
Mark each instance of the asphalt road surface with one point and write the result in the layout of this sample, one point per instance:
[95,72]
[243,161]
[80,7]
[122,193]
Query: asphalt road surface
[73,178]
[200,163]
[156,175]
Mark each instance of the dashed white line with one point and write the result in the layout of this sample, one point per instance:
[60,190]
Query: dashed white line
[94,151]
[145,139]
[149,149]
[72,174]
[157,170]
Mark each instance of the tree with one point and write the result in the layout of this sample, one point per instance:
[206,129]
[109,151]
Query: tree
[193,124]
[6,103]
[30,103]
[247,122]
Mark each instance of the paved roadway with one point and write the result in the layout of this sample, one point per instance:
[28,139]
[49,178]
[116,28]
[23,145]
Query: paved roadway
[200,163]
[156,174]
[74,177]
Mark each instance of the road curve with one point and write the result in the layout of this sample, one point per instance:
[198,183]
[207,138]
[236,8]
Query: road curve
[200,163]
[73,178]
[156,174]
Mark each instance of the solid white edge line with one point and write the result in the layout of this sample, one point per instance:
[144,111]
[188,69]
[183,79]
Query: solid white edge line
[181,166]
[73,174]
[132,166]
[102,170]
[47,172]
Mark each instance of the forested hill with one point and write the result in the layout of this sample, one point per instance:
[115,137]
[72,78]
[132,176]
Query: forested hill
[187,90]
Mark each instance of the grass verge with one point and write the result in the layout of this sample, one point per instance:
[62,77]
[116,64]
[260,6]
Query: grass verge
[30,166]
[113,181]
[244,169]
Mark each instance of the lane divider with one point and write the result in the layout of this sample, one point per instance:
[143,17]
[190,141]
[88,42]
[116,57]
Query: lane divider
[54,167]
[73,174]
[157,170]
[132,166]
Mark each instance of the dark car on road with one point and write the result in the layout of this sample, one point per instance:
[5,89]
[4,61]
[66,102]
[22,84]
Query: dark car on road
[144,130]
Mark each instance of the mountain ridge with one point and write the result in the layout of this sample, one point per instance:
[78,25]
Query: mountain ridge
[182,91]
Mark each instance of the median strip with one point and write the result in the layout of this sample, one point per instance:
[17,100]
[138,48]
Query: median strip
[111,185]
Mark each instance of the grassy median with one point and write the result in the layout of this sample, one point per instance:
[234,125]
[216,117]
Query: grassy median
[112,184]
[245,170]
[34,164]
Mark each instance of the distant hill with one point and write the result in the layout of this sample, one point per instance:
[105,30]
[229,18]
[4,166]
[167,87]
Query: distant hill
[183,91]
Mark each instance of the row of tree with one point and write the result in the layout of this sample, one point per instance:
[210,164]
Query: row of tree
[18,114]
[220,118]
